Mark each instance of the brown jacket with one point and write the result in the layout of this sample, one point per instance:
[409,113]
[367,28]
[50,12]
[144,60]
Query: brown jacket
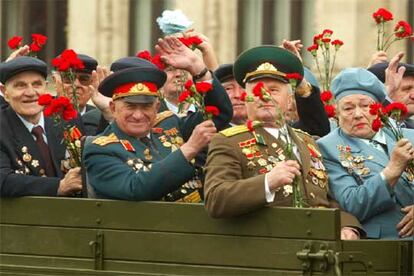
[234,182]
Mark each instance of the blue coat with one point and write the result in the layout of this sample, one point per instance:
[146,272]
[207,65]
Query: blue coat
[358,187]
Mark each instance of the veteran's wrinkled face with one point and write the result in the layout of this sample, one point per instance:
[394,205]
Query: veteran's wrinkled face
[354,117]
[82,82]
[22,92]
[134,119]
[405,94]
[234,90]
[266,111]
[174,85]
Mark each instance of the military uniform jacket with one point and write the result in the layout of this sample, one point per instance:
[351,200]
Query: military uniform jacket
[354,178]
[21,163]
[235,179]
[123,167]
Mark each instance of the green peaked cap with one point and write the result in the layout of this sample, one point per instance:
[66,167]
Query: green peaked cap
[265,61]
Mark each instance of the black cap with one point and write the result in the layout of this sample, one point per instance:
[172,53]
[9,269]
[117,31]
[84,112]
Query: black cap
[379,69]
[144,78]
[21,64]
[224,72]
[89,62]
[128,62]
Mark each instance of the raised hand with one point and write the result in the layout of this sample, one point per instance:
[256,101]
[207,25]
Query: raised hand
[101,101]
[394,75]
[173,52]
[378,57]
[22,51]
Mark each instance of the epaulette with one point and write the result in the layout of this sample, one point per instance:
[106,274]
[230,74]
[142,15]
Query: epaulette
[301,131]
[228,132]
[105,140]
[162,116]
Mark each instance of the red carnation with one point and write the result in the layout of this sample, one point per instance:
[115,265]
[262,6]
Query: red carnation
[396,110]
[34,47]
[374,109]
[326,96]
[68,59]
[69,113]
[312,49]
[144,55]
[337,43]
[330,111]
[191,41]
[184,96]
[403,29]
[45,99]
[203,87]
[327,33]
[257,90]
[243,96]
[326,40]
[156,60]
[188,84]
[382,15]
[39,39]
[376,124]
[14,42]
[317,39]
[211,109]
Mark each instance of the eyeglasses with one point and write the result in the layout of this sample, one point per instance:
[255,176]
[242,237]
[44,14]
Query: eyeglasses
[84,79]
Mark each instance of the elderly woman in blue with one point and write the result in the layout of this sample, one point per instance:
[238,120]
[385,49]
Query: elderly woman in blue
[367,169]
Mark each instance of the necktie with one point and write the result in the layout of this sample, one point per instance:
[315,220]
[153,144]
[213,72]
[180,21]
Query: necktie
[44,150]
[146,141]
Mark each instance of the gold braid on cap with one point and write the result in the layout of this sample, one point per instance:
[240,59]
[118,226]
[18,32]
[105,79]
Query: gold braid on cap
[264,68]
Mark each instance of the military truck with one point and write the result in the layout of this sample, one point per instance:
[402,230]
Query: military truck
[70,236]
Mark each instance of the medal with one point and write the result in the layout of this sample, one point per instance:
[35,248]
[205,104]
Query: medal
[262,162]
[27,157]
[167,144]
[35,163]
[147,154]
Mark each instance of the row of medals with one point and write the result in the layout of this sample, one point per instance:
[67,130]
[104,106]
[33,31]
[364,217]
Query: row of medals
[28,160]
[317,170]
[253,154]
[353,163]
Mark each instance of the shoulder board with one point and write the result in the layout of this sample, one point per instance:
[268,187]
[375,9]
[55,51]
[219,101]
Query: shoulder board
[105,140]
[234,130]
[162,116]
[301,131]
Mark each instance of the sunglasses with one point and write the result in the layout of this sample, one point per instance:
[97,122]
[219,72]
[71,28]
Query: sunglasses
[84,79]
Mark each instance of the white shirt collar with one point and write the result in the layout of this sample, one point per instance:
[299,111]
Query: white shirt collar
[30,126]
[174,108]
[275,132]
[378,137]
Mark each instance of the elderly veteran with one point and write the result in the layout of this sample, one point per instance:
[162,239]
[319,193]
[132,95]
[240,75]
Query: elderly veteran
[131,159]
[82,82]
[31,149]
[399,83]
[308,106]
[366,168]
[247,167]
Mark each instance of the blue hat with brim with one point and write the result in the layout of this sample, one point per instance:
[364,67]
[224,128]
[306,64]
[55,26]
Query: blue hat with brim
[352,81]
[19,65]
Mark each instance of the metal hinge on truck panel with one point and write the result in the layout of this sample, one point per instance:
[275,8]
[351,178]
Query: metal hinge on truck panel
[325,258]
[97,248]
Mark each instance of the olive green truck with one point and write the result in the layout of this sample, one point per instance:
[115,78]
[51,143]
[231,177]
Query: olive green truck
[57,236]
